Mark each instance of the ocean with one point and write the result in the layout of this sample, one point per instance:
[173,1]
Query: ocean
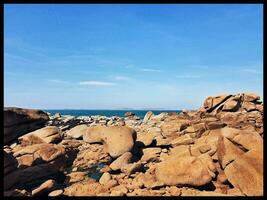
[108,113]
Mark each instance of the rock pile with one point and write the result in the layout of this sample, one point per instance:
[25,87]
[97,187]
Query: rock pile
[214,151]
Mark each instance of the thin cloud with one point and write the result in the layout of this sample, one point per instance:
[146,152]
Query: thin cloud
[97,83]
[150,70]
[58,81]
[125,78]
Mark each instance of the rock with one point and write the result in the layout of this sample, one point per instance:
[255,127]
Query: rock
[232,104]
[251,97]
[182,140]
[194,192]
[119,190]
[85,188]
[248,106]
[57,115]
[212,102]
[10,163]
[145,138]
[187,170]
[147,180]
[36,162]
[105,178]
[38,152]
[18,121]
[160,117]
[151,154]
[111,183]
[116,139]
[129,114]
[124,159]
[148,116]
[90,156]
[74,177]
[227,151]
[16,192]
[131,168]
[234,192]
[174,191]
[215,125]
[55,193]
[44,187]
[246,172]
[48,134]
[172,127]
[77,131]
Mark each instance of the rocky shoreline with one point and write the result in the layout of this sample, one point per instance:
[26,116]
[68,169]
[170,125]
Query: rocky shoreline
[214,151]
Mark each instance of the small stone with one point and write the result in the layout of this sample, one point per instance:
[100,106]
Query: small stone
[104,178]
[55,193]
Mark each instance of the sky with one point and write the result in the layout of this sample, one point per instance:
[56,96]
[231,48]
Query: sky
[165,56]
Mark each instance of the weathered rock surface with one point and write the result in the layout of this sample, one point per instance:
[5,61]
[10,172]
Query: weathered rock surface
[48,134]
[117,139]
[18,121]
[214,151]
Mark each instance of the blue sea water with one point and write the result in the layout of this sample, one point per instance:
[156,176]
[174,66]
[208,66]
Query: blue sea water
[108,113]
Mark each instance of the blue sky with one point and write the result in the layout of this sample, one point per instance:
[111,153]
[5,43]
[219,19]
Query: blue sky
[135,56]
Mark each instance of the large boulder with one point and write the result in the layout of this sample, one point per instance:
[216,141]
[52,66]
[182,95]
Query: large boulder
[77,131]
[187,170]
[48,134]
[246,173]
[116,139]
[173,127]
[36,162]
[18,121]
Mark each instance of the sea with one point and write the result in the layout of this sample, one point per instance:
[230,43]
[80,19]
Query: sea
[108,113]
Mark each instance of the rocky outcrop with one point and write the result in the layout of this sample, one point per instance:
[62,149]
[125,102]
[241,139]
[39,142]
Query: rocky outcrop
[48,134]
[214,151]
[18,121]
[117,139]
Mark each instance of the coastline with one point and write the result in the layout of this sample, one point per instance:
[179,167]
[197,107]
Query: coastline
[165,154]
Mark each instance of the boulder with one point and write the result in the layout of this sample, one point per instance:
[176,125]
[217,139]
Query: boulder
[148,116]
[116,139]
[45,187]
[18,121]
[150,154]
[124,159]
[145,138]
[85,188]
[251,97]
[246,173]
[55,193]
[212,102]
[77,131]
[188,170]
[38,153]
[172,127]
[129,114]
[48,134]
[105,178]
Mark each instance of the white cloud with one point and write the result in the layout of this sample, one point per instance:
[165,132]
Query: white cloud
[97,83]
[122,78]
[150,70]
[57,81]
